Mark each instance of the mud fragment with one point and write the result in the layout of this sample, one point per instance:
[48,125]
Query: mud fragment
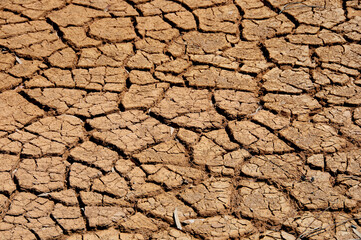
[236,103]
[218,19]
[210,197]
[189,108]
[130,130]
[221,227]
[261,201]
[257,138]
[314,137]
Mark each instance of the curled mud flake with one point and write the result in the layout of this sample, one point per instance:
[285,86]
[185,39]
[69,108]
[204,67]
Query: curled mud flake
[140,223]
[65,58]
[282,169]
[352,131]
[81,176]
[77,37]
[59,78]
[75,15]
[316,192]
[316,160]
[182,19]
[158,7]
[169,152]
[245,51]
[316,138]
[254,29]
[69,218]
[347,55]
[100,78]
[206,150]
[117,8]
[34,213]
[345,162]
[42,174]
[313,12]
[187,136]
[189,108]
[93,154]
[7,169]
[218,19]
[156,28]
[236,103]
[257,138]
[342,69]
[322,37]
[130,134]
[67,197]
[213,196]
[113,29]
[106,234]
[326,76]
[205,76]
[339,115]
[288,81]
[351,28]
[203,43]
[172,234]
[106,216]
[111,183]
[287,53]
[16,111]
[349,94]
[221,227]
[291,104]
[164,205]
[264,202]
[173,176]
[143,96]
[274,121]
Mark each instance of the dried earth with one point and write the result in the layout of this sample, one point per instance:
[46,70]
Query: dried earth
[180,119]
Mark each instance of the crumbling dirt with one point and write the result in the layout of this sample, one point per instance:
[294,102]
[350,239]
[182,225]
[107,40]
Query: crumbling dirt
[180,119]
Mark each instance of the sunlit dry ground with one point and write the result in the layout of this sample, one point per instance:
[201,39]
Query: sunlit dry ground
[244,116]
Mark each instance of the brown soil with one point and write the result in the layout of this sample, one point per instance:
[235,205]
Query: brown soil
[180,119]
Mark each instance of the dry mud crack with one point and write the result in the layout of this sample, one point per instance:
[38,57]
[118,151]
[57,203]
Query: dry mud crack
[180,119]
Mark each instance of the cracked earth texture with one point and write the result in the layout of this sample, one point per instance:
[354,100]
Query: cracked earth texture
[243,116]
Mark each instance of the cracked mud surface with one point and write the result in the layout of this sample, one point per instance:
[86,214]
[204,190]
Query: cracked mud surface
[240,117]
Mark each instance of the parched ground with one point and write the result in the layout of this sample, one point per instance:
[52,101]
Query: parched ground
[180,119]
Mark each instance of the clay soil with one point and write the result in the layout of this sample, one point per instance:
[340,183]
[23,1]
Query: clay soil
[180,119]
